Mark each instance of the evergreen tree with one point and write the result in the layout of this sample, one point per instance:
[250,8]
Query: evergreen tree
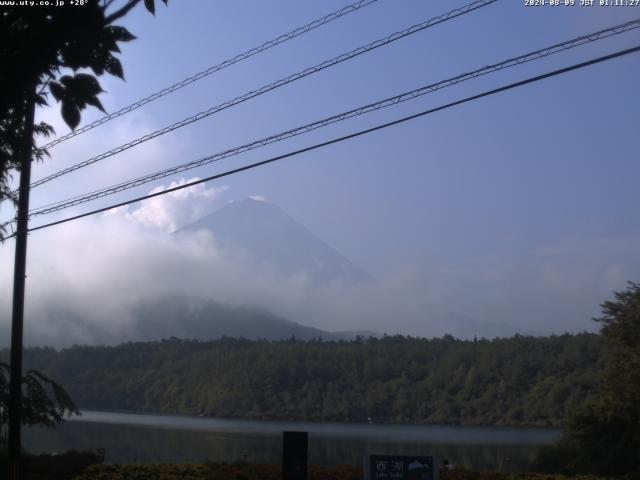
[603,437]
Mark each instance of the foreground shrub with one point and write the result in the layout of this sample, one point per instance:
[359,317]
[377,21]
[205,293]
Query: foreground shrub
[257,471]
[462,474]
[144,472]
[213,471]
[54,467]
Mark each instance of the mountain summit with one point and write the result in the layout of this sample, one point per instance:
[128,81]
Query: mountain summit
[268,234]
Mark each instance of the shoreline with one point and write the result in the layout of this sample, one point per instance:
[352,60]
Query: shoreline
[314,422]
[438,434]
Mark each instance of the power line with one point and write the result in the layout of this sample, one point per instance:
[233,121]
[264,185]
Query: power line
[352,135]
[216,68]
[279,83]
[537,54]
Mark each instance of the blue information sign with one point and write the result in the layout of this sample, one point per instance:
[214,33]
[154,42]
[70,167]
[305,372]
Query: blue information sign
[399,467]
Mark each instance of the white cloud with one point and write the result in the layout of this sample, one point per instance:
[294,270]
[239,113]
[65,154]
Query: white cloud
[154,155]
[85,277]
[258,198]
[167,212]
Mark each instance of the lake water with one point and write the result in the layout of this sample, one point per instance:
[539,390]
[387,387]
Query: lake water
[142,438]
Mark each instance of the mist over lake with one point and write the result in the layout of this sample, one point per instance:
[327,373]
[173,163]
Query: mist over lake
[169,438]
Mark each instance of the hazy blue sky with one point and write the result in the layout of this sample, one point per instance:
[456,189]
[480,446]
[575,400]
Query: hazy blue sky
[519,208]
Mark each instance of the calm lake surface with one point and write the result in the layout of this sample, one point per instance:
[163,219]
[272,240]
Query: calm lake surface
[142,438]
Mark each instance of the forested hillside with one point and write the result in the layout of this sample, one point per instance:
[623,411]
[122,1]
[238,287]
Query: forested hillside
[515,381]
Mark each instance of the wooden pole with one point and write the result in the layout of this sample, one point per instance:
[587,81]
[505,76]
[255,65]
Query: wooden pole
[19,275]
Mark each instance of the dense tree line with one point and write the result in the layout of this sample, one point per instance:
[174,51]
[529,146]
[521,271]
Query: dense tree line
[603,435]
[515,381]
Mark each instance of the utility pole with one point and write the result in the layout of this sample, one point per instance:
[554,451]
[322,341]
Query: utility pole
[19,275]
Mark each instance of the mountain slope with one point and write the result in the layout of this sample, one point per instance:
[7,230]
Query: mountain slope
[269,235]
[184,317]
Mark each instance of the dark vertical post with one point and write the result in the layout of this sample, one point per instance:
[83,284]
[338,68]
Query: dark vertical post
[19,274]
[294,455]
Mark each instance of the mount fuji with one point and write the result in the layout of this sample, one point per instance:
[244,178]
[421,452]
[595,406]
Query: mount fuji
[268,234]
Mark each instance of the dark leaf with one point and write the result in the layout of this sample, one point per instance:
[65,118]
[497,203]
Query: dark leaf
[57,90]
[44,129]
[41,101]
[66,80]
[70,114]
[96,103]
[98,69]
[151,6]
[40,153]
[112,47]
[114,67]
[120,34]
[77,54]
[86,85]
[99,62]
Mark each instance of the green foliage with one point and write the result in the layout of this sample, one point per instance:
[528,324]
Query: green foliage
[44,402]
[603,437]
[516,381]
[621,332]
